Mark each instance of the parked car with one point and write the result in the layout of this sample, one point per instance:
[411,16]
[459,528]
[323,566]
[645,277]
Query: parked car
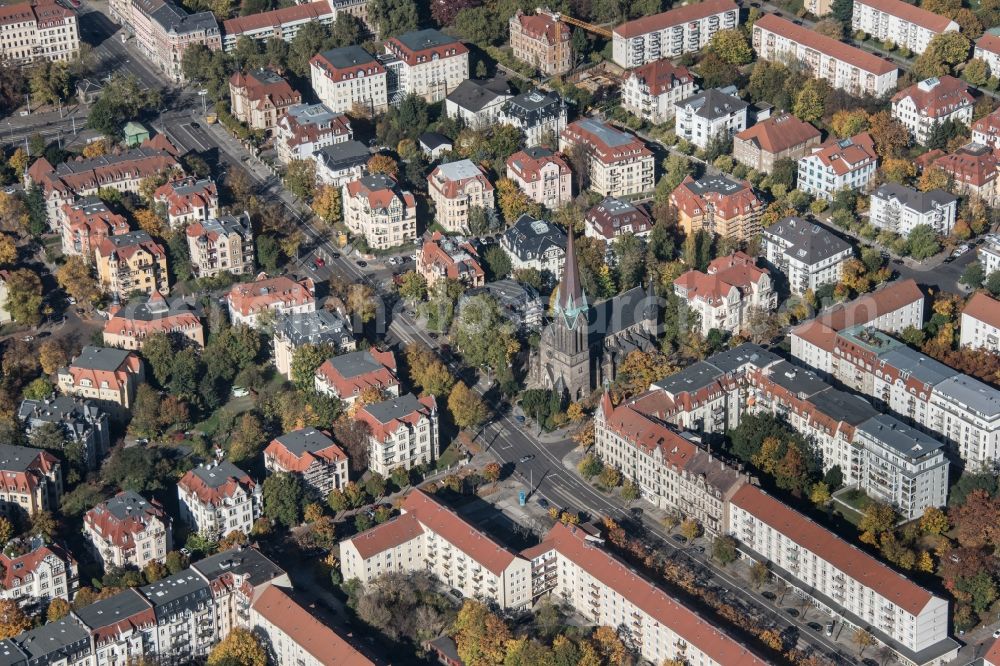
[318,262]
[527,458]
[240,392]
[542,502]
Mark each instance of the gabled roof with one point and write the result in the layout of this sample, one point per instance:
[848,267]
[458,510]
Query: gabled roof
[727,197]
[678,16]
[842,156]
[661,76]
[779,133]
[806,37]
[385,417]
[806,241]
[713,103]
[983,308]
[910,13]
[937,96]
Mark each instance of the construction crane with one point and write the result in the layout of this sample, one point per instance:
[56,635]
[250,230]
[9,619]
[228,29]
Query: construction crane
[589,27]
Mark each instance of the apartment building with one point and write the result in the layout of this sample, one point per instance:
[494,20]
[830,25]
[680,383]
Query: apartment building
[80,421]
[728,293]
[306,128]
[79,178]
[618,163]
[294,636]
[441,258]
[981,323]
[349,79]
[542,40]
[128,531]
[85,224]
[187,200]
[347,376]
[899,209]
[838,164]
[809,255]
[477,104]
[541,116]
[129,326]
[650,91]
[987,49]
[711,115]
[30,481]
[986,130]
[672,472]
[377,208]
[455,188]
[163,32]
[341,163]
[310,454]
[427,63]
[537,244]
[221,244]
[38,30]
[260,97]
[281,295]
[719,205]
[543,175]
[933,101]
[285,22]
[131,263]
[218,498]
[901,23]
[900,465]
[613,217]
[892,308]
[108,376]
[844,67]
[988,255]
[34,573]
[429,536]
[845,580]
[403,432]
[330,328]
[973,171]
[781,137]
[572,567]
[670,34]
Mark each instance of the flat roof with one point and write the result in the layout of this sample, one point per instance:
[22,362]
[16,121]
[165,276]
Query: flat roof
[904,440]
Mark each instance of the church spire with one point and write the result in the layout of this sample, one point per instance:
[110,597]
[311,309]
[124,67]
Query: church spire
[571,298]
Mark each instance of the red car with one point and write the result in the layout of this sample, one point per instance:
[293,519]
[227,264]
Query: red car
[318,262]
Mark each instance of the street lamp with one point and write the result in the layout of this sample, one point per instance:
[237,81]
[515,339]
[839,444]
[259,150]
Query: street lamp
[204,101]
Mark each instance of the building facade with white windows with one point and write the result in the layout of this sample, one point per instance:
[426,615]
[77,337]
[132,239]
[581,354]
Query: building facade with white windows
[905,25]
[684,29]
[217,498]
[838,164]
[350,79]
[809,255]
[932,102]
[650,91]
[899,209]
[981,323]
[711,115]
[403,432]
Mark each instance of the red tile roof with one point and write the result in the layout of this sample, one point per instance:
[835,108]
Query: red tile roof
[992,656]
[571,543]
[973,165]
[846,155]
[315,638]
[263,293]
[779,133]
[945,97]
[461,264]
[121,531]
[543,27]
[380,431]
[848,559]
[289,461]
[452,528]
[826,45]
[529,167]
[736,271]
[277,93]
[45,12]
[453,188]
[817,334]
[14,569]
[184,195]
[661,76]
[989,43]
[380,190]
[988,125]
[907,12]
[277,17]
[677,16]
[388,535]
[871,306]
[983,308]
[727,205]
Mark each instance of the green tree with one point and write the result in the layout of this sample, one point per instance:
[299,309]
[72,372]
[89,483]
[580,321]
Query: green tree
[942,54]
[843,11]
[977,72]
[923,242]
[283,495]
[300,175]
[305,362]
[483,335]
[248,438]
[413,286]
[393,17]
[497,262]
[590,466]
[123,99]
[809,102]
[731,46]
[24,297]
[973,275]
[724,550]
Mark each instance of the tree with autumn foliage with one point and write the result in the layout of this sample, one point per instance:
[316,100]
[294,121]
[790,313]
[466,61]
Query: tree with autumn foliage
[240,647]
[876,519]
[638,371]
[327,204]
[12,619]
[466,406]
[383,164]
[513,202]
[480,635]
[847,123]
[151,223]
[76,279]
[428,371]
[888,133]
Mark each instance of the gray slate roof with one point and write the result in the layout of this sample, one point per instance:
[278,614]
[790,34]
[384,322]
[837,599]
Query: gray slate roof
[973,393]
[127,504]
[305,440]
[807,242]
[64,409]
[100,358]
[173,594]
[908,442]
[920,366]
[17,458]
[344,155]
[355,364]
[348,56]
[922,202]
[316,328]
[475,95]
[418,40]
[529,237]
[714,103]
[243,561]
[123,605]
[218,473]
[394,408]
[49,642]
[534,106]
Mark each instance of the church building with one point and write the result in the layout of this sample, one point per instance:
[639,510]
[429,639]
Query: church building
[582,347]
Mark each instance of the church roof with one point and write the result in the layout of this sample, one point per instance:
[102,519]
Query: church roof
[571,299]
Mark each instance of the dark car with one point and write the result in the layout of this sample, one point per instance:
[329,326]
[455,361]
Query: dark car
[680,537]
[898,262]
[797,22]
[195,125]
[815,626]
[767,594]
[792,611]
[949,260]
[362,264]
[542,502]
[519,418]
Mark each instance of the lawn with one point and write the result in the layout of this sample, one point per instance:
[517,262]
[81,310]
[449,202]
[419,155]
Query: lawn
[235,406]
[449,456]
